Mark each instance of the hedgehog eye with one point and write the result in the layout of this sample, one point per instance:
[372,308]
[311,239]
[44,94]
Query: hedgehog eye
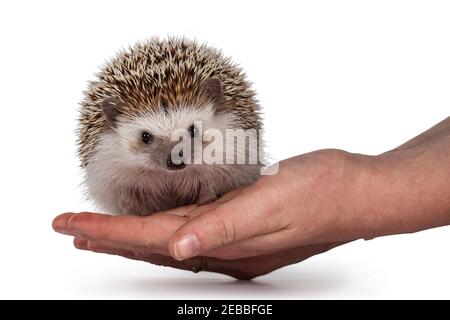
[146,137]
[192,131]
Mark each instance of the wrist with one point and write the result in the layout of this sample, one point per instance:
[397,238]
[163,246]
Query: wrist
[372,211]
[353,183]
[397,192]
[362,204]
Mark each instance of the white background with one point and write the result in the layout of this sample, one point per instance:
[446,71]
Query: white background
[360,75]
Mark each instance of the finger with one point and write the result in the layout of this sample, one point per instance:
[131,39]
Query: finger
[194,264]
[182,211]
[259,246]
[80,243]
[236,269]
[232,194]
[83,240]
[151,232]
[238,219]
[202,209]
[256,246]
[247,268]
[59,224]
[100,248]
[198,210]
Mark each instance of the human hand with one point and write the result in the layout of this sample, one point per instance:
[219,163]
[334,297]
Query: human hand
[315,202]
[106,234]
[312,200]
[327,196]
[147,238]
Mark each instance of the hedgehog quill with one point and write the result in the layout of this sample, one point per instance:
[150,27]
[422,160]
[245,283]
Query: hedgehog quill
[132,110]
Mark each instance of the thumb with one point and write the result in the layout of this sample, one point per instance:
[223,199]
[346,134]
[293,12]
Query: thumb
[234,220]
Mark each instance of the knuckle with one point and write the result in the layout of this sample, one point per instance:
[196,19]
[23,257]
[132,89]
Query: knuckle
[144,239]
[225,230]
[106,227]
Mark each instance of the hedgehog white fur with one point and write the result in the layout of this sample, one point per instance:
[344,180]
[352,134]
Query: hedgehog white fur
[130,112]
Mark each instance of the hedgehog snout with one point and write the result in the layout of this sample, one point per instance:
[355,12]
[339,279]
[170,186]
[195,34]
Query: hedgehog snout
[175,161]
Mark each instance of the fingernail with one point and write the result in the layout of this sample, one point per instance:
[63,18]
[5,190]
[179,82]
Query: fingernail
[186,247]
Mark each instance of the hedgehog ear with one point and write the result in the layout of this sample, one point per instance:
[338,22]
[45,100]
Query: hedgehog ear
[213,91]
[111,110]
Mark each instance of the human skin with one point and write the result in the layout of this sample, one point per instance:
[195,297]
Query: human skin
[315,202]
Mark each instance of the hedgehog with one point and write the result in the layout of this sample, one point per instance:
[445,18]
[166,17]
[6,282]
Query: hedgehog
[132,109]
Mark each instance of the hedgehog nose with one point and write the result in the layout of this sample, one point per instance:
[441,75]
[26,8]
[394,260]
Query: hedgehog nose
[175,163]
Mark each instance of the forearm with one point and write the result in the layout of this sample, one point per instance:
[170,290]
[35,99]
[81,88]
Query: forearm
[407,189]
[438,131]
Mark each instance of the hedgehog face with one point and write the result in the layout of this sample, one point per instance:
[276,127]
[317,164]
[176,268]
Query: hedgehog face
[159,138]
[155,140]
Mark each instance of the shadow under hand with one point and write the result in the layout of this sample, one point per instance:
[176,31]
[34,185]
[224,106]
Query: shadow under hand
[292,282]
